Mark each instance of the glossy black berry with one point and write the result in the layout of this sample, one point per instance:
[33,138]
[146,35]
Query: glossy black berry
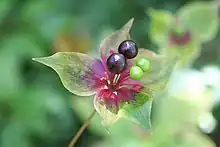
[128,48]
[116,63]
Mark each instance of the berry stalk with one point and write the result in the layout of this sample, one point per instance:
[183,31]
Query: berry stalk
[81,130]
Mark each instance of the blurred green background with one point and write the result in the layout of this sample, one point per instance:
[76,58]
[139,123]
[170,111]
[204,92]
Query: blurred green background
[35,109]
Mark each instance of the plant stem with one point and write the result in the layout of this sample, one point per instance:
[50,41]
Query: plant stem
[81,130]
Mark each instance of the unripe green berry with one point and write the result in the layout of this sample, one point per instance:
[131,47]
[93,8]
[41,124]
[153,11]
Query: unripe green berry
[144,64]
[136,73]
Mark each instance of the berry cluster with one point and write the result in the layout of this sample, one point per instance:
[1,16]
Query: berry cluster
[117,62]
[142,65]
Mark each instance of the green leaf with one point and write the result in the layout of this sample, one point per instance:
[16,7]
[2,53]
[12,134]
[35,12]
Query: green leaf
[160,71]
[201,18]
[113,41]
[187,54]
[139,111]
[160,23]
[108,118]
[71,67]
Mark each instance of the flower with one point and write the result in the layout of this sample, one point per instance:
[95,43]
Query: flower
[116,95]
[111,91]
[182,34]
[179,37]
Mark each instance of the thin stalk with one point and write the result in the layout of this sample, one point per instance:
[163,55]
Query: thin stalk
[81,130]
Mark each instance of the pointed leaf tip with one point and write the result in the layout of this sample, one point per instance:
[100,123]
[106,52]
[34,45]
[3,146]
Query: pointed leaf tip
[140,115]
[73,69]
[131,21]
[114,40]
[43,60]
[36,59]
[126,28]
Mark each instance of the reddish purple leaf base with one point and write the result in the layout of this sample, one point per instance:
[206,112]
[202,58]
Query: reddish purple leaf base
[111,91]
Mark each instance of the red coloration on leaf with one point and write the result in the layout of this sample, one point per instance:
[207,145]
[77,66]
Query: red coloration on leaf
[109,91]
[179,36]
[179,39]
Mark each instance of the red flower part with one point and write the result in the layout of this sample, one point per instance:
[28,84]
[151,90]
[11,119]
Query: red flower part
[179,39]
[111,89]
[179,36]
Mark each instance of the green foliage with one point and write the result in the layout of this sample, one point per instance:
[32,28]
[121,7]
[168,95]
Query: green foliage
[4,8]
[113,41]
[161,69]
[201,18]
[35,110]
[186,54]
[139,111]
[70,67]
[108,117]
[160,23]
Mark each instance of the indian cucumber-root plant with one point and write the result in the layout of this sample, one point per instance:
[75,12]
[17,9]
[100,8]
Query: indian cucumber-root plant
[183,33]
[122,80]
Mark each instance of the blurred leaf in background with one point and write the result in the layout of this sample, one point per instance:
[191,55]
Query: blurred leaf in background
[182,34]
[67,42]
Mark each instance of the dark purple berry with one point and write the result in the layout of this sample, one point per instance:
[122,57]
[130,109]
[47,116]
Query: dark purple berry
[116,63]
[128,48]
